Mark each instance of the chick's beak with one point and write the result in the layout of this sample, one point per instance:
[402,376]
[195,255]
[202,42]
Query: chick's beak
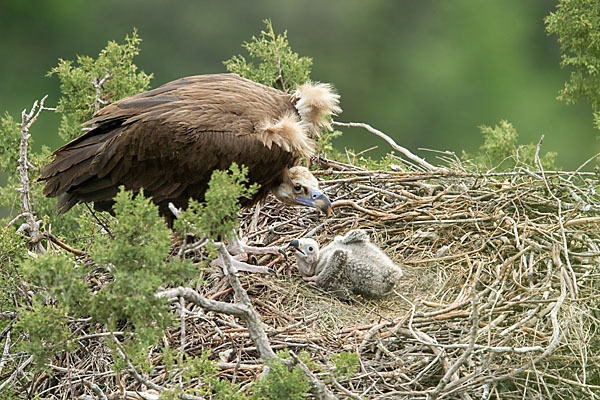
[295,243]
[318,200]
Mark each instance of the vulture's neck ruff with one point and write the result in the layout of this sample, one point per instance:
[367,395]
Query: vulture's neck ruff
[287,133]
[315,103]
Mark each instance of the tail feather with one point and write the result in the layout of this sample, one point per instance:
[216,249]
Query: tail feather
[65,203]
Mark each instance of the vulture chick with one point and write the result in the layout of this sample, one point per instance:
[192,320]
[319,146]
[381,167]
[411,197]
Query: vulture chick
[169,141]
[349,264]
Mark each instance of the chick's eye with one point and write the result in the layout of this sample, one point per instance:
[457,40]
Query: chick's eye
[310,248]
[297,188]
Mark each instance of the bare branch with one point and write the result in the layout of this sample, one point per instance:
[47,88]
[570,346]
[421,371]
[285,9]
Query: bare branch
[7,383]
[391,142]
[319,389]
[96,389]
[31,226]
[98,86]
[63,245]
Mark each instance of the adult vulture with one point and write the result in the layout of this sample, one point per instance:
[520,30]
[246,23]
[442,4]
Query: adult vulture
[169,140]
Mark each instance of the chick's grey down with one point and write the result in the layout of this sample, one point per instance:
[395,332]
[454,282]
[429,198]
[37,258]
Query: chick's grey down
[349,264]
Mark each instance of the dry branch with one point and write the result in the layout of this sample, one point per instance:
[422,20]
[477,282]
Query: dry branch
[31,226]
[391,142]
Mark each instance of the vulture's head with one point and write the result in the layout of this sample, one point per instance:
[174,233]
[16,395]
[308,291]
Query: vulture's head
[300,188]
[307,255]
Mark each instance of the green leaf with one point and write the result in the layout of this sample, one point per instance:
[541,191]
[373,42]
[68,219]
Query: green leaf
[216,218]
[90,84]
[279,66]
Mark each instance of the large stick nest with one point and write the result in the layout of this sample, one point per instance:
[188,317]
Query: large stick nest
[500,298]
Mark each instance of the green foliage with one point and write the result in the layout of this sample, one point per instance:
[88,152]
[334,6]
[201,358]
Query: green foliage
[201,374]
[279,66]
[382,164]
[281,383]
[10,137]
[577,24]
[498,142]
[346,364]
[75,225]
[47,330]
[13,250]
[136,260]
[501,151]
[169,394]
[60,280]
[81,88]
[135,265]
[79,100]
[202,368]
[216,217]
[12,247]
[325,143]
[142,239]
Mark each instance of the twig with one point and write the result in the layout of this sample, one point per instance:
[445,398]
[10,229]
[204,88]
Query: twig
[102,224]
[31,226]
[467,353]
[5,352]
[98,102]
[96,389]
[257,333]
[17,371]
[340,386]
[63,245]
[340,203]
[15,219]
[391,142]
[144,380]
[182,325]
[582,221]
[319,389]
[565,248]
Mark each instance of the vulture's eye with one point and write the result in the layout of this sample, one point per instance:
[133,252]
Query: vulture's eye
[297,188]
[310,248]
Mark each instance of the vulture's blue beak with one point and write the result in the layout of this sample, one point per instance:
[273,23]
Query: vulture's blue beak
[318,200]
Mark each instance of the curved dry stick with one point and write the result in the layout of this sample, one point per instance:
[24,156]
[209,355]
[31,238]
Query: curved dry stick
[391,142]
[350,203]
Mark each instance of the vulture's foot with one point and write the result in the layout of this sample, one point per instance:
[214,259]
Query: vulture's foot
[241,266]
[240,250]
[240,255]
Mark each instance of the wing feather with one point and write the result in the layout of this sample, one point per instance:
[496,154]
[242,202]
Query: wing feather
[169,141]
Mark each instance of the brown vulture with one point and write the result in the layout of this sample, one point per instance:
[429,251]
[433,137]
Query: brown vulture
[169,140]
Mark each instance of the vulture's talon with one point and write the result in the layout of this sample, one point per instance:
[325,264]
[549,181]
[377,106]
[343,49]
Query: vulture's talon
[253,260]
[282,252]
[271,271]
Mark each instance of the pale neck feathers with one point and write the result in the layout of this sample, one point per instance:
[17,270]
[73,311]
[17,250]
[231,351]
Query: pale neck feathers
[315,103]
[287,133]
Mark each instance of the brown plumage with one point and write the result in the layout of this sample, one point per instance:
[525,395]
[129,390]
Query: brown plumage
[169,140]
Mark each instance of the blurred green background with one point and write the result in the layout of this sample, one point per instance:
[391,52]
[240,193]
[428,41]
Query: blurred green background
[426,72]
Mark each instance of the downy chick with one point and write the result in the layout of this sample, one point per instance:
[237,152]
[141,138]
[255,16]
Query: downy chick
[351,263]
